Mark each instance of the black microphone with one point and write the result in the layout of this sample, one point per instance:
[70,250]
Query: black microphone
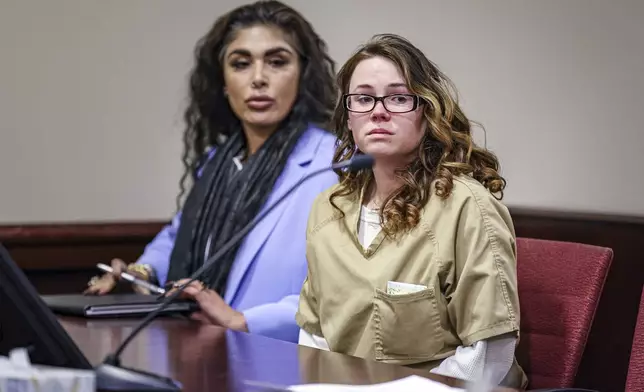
[358,162]
[111,376]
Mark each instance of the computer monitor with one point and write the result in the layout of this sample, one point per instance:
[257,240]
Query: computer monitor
[25,321]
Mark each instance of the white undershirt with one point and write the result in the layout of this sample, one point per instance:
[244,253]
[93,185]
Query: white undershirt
[369,226]
[492,358]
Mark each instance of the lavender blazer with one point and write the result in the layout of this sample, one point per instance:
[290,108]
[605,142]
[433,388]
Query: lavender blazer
[267,275]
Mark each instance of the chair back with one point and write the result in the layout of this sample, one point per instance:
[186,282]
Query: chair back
[559,288]
[635,379]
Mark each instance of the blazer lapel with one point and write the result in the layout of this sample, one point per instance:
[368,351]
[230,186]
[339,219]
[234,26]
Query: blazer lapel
[295,169]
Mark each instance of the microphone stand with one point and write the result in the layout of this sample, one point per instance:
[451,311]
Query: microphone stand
[111,376]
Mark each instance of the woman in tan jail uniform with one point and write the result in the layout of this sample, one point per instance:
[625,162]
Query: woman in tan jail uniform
[414,261]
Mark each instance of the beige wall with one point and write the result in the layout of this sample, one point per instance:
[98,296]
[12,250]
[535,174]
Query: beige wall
[91,94]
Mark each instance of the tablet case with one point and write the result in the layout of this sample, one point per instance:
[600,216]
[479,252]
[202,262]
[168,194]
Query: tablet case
[113,305]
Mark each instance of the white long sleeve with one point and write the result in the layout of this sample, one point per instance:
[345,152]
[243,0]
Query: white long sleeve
[492,358]
[307,339]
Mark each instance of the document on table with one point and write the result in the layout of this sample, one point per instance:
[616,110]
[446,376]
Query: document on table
[408,384]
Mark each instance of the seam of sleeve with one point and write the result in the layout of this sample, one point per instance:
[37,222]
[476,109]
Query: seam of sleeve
[320,225]
[491,236]
[494,330]
[321,202]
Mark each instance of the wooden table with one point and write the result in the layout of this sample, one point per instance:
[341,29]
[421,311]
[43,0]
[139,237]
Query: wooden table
[214,359]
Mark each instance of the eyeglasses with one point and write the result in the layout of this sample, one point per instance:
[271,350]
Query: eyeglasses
[394,103]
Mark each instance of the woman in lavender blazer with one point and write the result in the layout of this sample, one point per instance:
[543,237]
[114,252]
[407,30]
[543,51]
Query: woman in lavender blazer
[261,89]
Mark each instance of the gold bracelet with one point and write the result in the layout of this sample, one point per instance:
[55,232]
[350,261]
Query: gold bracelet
[142,269]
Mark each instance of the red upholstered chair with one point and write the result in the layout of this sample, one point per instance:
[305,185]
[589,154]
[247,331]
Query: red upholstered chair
[559,287]
[635,379]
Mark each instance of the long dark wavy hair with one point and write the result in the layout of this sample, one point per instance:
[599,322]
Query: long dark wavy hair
[208,116]
[445,151]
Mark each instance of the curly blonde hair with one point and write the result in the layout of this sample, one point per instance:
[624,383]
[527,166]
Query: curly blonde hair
[446,150]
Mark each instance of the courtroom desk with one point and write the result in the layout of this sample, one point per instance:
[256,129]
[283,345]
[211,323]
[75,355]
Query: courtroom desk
[214,359]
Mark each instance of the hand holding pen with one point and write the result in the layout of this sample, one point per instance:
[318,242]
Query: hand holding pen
[100,285]
[154,289]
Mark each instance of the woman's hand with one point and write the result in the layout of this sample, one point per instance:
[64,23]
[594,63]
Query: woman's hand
[214,309]
[107,282]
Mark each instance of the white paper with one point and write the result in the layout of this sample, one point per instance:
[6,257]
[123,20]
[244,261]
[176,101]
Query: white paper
[398,288]
[18,375]
[408,384]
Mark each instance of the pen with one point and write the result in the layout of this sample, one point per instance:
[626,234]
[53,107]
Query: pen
[133,279]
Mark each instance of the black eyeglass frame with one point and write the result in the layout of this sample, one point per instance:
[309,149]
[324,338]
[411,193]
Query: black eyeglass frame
[415,98]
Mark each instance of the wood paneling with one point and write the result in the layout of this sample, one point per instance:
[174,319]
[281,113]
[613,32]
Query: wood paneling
[60,258]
